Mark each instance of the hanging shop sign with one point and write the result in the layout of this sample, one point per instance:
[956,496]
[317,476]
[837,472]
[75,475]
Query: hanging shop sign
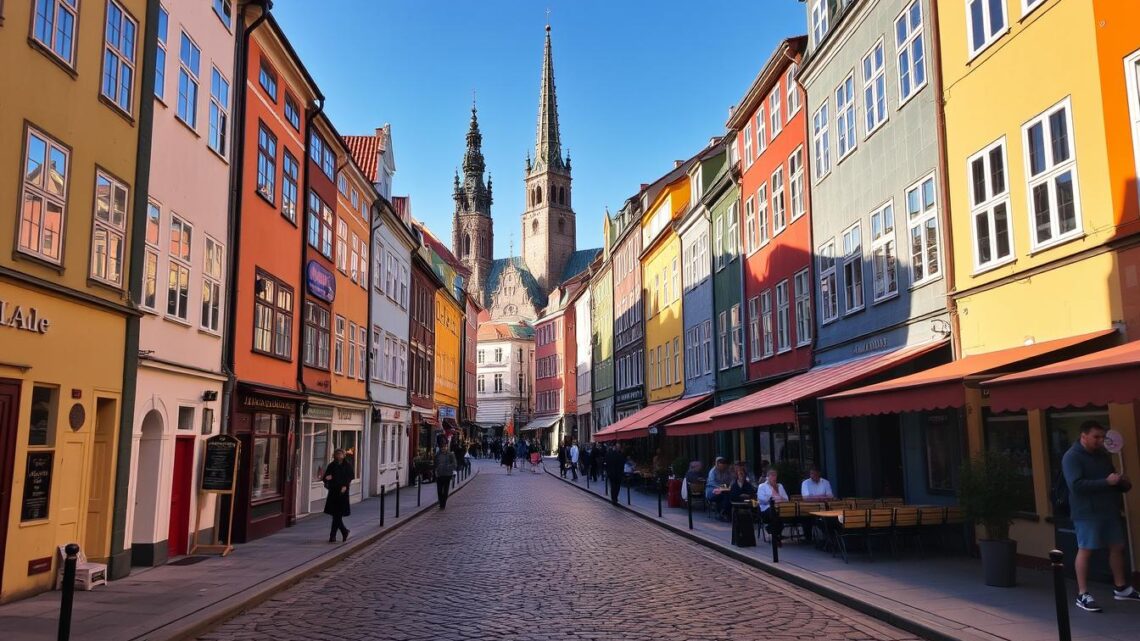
[320,281]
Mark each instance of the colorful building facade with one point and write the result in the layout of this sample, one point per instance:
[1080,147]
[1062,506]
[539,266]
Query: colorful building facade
[629,318]
[661,274]
[602,334]
[695,230]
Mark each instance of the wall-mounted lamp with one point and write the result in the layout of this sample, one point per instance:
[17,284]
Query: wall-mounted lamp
[939,326]
[210,395]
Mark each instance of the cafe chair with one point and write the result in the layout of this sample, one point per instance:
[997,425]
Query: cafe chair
[891,501]
[880,521]
[697,494]
[906,526]
[852,525]
[87,574]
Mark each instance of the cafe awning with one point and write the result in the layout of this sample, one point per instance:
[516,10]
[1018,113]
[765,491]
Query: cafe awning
[945,386]
[638,425]
[776,404]
[541,423]
[1108,376]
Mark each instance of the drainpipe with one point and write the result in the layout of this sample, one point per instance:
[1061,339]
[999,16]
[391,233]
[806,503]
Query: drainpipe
[944,182]
[120,555]
[237,167]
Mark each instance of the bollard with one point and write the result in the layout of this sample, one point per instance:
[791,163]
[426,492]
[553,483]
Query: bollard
[587,481]
[628,492]
[68,588]
[689,501]
[775,529]
[383,491]
[1064,633]
[419,484]
[397,498]
[658,499]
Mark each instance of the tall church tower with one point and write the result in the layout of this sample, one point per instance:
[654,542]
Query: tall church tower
[548,221]
[473,235]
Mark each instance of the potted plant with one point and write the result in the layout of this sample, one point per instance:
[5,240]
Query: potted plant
[990,491]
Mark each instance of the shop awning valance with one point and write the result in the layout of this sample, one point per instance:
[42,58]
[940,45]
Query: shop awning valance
[776,404]
[637,425]
[1108,376]
[541,423]
[945,386]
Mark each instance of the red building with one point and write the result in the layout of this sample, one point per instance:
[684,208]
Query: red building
[555,368]
[771,131]
[421,357]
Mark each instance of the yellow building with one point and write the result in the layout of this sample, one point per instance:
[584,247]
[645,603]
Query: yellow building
[74,102]
[448,329]
[1031,184]
[661,280]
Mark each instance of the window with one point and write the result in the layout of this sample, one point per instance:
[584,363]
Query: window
[354,259]
[883,269]
[1008,434]
[219,112]
[43,416]
[706,346]
[322,154]
[754,328]
[853,268]
[378,367]
[718,238]
[766,322]
[342,183]
[54,27]
[273,317]
[922,218]
[737,335]
[774,116]
[762,215]
[676,280]
[119,56]
[796,182]
[989,206]
[266,162]
[1051,166]
[783,322]
[874,89]
[351,350]
[109,230]
[212,286]
[820,142]
[845,116]
[818,21]
[289,174]
[317,336]
[266,456]
[676,360]
[338,348]
[987,23]
[481,356]
[793,91]
[910,50]
[189,58]
[722,333]
[341,242]
[731,240]
[751,242]
[267,77]
[498,382]
[223,9]
[46,174]
[162,29]
[828,297]
[779,210]
[349,441]
[150,266]
[761,132]
[748,145]
[355,199]
[481,383]
[321,226]
[178,282]
[292,111]
[802,284]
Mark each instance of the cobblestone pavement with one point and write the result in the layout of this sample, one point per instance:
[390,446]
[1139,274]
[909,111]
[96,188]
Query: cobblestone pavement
[527,557]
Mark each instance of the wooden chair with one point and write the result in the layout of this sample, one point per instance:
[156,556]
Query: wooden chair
[852,525]
[905,526]
[796,497]
[891,501]
[87,574]
[789,514]
[880,520]
[697,494]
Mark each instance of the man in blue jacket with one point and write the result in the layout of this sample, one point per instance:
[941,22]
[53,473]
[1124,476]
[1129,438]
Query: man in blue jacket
[1095,489]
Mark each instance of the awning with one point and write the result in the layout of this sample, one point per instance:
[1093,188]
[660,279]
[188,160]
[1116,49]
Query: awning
[945,386]
[637,425]
[541,423]
[1108,376]
[776,404]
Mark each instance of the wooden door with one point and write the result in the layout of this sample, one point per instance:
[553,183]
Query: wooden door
[180,489]
[9,418]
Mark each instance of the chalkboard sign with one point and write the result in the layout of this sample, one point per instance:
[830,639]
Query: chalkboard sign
[220,463]
[37,486]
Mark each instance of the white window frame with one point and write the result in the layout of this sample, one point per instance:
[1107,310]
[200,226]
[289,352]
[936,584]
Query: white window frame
[1048,176]
[761,131]
[914,35]
[751,243]
[775,114]
[796,183]
[122,61]
[975,50]
[819,21]
[846,117]
[748,145]
[821,142]
[920,221]
[874,89]
[180,263]
[754,329]
[213,268]
[706,345]
[722,325]
[986,205]
[828,304]
[779,202]
[883,239]
[218,125]
[58,7]
[737,334]
[767,325]
[193,81]
[793,97]
[339,325]
[762,227]
[802,290]
[1028,6]
[41,190]
[150,264]
[112,234]
[162,33]
[342,246]
[733,239]
[783,319]
[852,266]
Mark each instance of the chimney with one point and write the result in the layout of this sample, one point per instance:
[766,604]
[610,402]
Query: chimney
[678,163]
[643,186]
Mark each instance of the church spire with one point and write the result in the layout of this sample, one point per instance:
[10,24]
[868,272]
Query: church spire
[473,163]
[548,143]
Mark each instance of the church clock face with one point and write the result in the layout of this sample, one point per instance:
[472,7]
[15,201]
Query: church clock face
[510,310]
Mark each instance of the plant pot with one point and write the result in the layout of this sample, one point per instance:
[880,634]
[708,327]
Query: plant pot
[999,562]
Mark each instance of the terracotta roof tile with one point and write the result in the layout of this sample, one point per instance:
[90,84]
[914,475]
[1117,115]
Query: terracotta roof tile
[364,150]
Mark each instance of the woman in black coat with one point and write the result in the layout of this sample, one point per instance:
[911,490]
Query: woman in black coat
[338,476]
[509,457]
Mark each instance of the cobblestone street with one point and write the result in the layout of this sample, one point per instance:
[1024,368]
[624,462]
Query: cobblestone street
[526,557]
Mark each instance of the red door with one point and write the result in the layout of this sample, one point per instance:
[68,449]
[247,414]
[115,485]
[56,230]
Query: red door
[176,538]
[9,415]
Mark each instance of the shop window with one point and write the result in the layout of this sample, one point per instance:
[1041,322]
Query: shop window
[943,452]
[348,440]
[45,410]
[207,420]
[1008,434]
[265,462]
[185,418]
[321,454]
[1063,428]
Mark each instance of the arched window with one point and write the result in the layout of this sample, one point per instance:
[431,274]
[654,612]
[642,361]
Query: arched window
[538,195]
[534,226]
[466,244]
[561,196]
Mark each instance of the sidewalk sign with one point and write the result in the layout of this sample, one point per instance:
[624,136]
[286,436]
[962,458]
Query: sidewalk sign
[219,476]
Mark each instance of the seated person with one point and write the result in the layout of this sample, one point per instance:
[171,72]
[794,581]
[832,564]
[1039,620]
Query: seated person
[630,466]
[742,487]
[694,473]
[769,490]
[719,479]
[815,487]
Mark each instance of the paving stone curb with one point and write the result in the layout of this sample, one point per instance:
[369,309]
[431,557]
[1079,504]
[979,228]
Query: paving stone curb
[885,610]
[197,623]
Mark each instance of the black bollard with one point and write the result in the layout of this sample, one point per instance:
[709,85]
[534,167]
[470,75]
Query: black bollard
[628,492]
[658,499]
[1064,633]
[397,498]
[383,491]
[419,484]
[775,528]
[68,588]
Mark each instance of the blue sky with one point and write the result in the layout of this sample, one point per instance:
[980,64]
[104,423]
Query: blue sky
[639,83]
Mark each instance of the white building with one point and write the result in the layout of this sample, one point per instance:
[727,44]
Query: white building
[504,375]
[584,345]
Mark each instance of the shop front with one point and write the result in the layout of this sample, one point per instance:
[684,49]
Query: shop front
[543,430]
[264,421]
[59,426]
[423,428]
[324,430]
[387,453]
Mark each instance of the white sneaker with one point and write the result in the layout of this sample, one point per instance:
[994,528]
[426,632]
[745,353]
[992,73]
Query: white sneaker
[1086,601]
[1127,594]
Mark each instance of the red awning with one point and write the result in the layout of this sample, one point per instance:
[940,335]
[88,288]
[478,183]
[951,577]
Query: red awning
[1108,376]
[637,425]
[776,404]
[943,386]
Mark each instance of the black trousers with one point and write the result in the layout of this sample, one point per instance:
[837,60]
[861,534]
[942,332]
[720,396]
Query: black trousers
[442,488]
[574,469]
[337,526]
[615,489]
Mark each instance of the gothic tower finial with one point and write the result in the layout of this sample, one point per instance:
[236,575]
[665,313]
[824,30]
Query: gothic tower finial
[472,228]
[548,143]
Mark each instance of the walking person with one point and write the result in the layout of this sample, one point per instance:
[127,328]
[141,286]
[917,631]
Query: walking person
[1095,490]
[509,458]
[562,460]
[523,453]
[445,465]
[615,471]
[338,476]
[574,459]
